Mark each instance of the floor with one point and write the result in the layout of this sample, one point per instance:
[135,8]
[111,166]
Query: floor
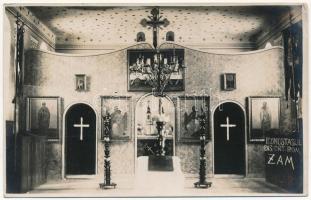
[221,186]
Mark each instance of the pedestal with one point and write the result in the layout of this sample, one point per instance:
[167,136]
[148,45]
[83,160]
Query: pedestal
[204,184]
[107,185]
[159,182]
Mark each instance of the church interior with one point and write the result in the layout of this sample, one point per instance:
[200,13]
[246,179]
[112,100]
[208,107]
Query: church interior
[148,100]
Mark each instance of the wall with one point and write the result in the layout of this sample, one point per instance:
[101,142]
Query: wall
[259,73]
[8,67]
[229,48]
[31,41]
[9,58]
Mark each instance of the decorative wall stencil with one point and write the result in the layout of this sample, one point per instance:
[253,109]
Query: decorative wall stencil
[119,108]
[44,116]
[143,68]
[190,108]
[264,117]
[35,23]
[34,43]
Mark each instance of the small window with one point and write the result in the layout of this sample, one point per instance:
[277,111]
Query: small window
[170,36]
[140,37]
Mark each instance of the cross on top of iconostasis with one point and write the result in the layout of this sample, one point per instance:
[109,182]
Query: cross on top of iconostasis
[155,23]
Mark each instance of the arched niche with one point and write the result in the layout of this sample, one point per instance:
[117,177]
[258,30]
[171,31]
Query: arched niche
[149,109]
[140,37]
[170,36]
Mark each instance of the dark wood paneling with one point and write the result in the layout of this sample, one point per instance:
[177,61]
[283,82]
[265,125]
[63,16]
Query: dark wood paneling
[32,162]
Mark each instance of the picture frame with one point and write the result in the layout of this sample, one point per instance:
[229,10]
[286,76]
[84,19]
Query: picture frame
[139,69]
[228,81]
[120,109]
[43,116]
[263,117]
[81,82]
[190,108]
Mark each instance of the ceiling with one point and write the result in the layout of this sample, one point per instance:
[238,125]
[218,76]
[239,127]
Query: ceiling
[92,26]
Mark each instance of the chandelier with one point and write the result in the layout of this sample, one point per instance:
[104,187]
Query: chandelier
[162,66]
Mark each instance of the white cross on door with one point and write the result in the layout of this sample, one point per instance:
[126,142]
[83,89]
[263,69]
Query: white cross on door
[227,125]
[81,126]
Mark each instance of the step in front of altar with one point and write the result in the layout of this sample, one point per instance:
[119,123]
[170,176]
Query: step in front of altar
[152,174]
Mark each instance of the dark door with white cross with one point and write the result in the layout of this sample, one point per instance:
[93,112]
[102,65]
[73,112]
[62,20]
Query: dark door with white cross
[229,139]
[80,140]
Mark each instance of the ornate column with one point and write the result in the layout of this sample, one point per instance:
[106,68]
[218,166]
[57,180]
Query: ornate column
[107,132]
[18,98]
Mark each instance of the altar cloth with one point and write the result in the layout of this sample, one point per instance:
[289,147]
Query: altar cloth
[160,163]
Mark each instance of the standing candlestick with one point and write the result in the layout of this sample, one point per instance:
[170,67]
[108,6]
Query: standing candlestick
[202,183]
[160,151]
[107,132]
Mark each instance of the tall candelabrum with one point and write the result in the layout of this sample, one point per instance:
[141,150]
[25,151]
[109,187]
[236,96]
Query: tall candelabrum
[106,134]
[202,183]
[160,150]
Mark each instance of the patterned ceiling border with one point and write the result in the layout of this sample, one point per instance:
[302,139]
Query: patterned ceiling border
[284,23]
[242,45]
[145,45]
[34,24]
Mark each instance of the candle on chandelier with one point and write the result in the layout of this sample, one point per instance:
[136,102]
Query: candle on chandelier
[165,61]
[148,62]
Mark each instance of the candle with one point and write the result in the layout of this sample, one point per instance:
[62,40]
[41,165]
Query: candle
[148,61]
[165,61]
[143,61]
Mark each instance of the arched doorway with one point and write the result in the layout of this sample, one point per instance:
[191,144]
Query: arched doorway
[80,140]
[229,139]
[147,112]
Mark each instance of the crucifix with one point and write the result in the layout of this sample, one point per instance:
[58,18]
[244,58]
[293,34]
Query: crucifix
[155,22]
[227,125]
[81,126]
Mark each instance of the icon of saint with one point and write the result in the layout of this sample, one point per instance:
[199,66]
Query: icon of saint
[265,118]
[43,119]
[192,122]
